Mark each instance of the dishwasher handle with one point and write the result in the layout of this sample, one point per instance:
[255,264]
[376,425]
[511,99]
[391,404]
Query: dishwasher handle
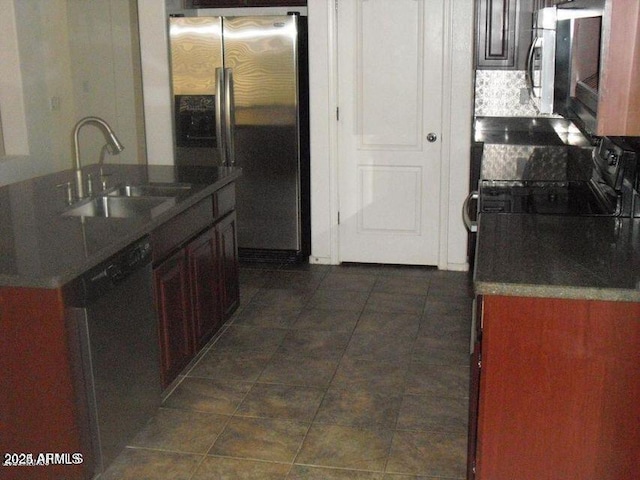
[471,225]
[115,270]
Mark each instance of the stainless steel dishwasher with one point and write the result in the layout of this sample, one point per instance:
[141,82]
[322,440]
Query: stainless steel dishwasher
[114,338]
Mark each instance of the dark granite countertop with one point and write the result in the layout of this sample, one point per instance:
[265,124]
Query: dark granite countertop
[528,131]
[41,248]
[593,258]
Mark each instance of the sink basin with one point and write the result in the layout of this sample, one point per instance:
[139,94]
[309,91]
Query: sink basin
[151,190]
[121,207]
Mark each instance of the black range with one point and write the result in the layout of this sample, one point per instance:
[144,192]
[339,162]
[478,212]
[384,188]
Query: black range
[565,180]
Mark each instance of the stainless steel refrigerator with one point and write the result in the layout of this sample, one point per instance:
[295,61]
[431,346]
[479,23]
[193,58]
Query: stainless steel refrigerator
[237,86]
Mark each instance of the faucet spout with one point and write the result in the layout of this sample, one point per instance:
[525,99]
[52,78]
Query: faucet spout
[113,145]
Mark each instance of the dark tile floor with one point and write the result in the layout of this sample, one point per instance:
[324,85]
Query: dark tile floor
[351,372]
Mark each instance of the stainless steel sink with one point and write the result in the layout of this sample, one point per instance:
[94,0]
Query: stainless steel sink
[120,206]
[151,190]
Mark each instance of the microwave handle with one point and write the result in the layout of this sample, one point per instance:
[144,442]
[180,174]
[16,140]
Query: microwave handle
[529,71]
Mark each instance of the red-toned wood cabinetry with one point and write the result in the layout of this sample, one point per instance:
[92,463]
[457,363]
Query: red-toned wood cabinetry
[173,300]
[226,231]
[38,407]
[206,284]
[619,90]
[558,390]
[43,408]
[197,284]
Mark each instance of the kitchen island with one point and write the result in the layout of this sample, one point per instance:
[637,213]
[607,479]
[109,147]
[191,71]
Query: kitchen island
[556,375]
[44,250]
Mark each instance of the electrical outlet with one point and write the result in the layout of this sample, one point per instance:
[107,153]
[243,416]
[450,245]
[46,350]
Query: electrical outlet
[524,96]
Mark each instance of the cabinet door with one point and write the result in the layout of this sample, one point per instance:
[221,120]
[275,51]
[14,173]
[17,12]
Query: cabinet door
[205,287]
[226,231]
[619,91]
[474,388]
[173,299]
[559,389]
[503,33]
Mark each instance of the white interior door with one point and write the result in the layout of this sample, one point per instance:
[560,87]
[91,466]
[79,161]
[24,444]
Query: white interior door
[390,57]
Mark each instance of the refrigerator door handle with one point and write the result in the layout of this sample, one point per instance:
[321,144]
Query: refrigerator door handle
[230,116]
[219,114]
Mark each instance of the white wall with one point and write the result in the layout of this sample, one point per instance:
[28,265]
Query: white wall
[11,92]
[323,133]
[61,60]
[103,47]
[155,80]
[458,116]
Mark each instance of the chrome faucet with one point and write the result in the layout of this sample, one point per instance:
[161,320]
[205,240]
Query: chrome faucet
[113,145]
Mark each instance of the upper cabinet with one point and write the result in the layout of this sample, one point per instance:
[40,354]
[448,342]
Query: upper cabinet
[619,90]
[245,3]
[504,32]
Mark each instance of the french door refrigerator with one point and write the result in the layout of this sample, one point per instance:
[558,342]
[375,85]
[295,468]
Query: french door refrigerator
[236,84]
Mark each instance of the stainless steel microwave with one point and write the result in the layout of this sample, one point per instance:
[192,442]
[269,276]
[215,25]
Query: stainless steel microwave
[540,73]
[578,61]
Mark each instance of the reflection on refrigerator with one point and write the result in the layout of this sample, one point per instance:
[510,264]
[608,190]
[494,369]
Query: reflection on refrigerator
[240,99]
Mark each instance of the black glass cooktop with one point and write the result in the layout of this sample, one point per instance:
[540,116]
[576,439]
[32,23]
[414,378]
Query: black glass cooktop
[547,197]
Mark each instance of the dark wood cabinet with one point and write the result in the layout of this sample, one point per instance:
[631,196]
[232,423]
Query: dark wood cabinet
[503,33]
[173,300]
[226,231]
[558,384]
[205,287]
[245,3]
[197,285]
[43,399]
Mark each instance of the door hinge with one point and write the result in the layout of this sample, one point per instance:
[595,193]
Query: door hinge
[338,218]
[479,360]
[338,114]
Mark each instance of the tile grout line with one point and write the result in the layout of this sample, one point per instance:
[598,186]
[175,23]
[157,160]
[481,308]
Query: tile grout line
[326,389]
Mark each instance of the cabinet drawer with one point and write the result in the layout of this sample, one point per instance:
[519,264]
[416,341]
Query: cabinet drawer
[180,228]
[224,201]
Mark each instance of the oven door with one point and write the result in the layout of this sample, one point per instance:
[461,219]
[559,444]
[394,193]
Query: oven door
[469,218]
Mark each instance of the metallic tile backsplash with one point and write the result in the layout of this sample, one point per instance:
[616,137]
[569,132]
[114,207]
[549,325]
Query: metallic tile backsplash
[523,162]
[499,93]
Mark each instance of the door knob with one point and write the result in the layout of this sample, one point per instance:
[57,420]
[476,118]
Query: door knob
[432,137]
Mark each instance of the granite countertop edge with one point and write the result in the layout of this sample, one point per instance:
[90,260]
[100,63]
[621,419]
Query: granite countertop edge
[556,291]
[64,277]
[582,258]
